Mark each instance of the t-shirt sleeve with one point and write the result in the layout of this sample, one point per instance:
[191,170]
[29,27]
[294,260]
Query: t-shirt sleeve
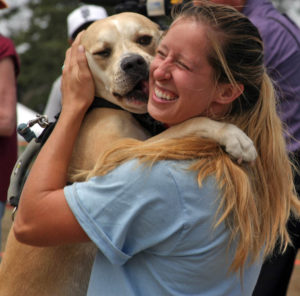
[131,209]
[7,49]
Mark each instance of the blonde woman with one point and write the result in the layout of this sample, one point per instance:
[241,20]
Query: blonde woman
[173,217]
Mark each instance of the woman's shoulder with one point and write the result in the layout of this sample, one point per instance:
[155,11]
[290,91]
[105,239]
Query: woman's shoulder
[159,171]
[162,171]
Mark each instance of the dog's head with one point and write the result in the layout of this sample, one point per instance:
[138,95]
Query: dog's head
[119,50]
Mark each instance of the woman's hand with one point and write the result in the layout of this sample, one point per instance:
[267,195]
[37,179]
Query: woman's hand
[78,87]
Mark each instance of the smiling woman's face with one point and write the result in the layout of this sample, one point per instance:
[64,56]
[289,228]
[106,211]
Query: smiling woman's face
[181,79]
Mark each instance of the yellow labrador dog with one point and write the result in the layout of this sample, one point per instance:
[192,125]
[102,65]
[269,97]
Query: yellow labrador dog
[119,51]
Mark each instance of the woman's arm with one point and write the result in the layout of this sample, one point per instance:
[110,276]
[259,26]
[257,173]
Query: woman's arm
[43,208]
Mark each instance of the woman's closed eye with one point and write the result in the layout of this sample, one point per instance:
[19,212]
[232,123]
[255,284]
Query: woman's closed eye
[183,65]
[161,54]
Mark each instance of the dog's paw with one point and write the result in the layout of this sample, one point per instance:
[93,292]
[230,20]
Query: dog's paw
[237,143]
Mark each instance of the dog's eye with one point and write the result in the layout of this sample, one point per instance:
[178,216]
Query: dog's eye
[144,40]
[104,53]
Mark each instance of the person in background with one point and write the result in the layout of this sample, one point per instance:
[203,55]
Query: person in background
[9,69]
[78,20]
[172,216]
[281,38]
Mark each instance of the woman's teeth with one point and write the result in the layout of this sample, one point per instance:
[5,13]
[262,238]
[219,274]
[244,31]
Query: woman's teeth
[164,96]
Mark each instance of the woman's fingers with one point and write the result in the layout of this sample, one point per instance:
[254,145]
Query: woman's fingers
[78,38]
[77,83]
[70,58]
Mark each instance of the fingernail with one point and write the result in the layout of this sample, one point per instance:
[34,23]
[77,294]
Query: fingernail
[81,48]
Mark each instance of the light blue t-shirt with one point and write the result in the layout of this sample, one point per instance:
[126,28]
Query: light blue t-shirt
[154,230]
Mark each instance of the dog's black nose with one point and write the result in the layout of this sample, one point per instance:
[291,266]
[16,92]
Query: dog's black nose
[134,65]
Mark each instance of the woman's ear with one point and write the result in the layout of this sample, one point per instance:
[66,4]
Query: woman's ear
[228,92]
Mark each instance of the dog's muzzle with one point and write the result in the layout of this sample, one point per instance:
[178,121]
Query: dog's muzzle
[135,66]
[136,70]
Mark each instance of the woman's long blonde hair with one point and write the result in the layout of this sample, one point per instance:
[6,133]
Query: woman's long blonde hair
[259,198]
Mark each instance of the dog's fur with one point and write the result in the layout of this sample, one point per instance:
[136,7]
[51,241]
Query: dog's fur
[119,51]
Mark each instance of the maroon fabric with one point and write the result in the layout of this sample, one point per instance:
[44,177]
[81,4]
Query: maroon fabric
[8,145]
[8,157]
[7,49]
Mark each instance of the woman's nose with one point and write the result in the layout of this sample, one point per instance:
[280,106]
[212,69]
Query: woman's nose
[162,71]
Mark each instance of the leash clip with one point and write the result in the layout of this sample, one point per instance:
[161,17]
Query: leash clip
[42,120]
[25,129]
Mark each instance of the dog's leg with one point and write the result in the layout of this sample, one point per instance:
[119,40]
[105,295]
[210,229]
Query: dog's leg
[235,141]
